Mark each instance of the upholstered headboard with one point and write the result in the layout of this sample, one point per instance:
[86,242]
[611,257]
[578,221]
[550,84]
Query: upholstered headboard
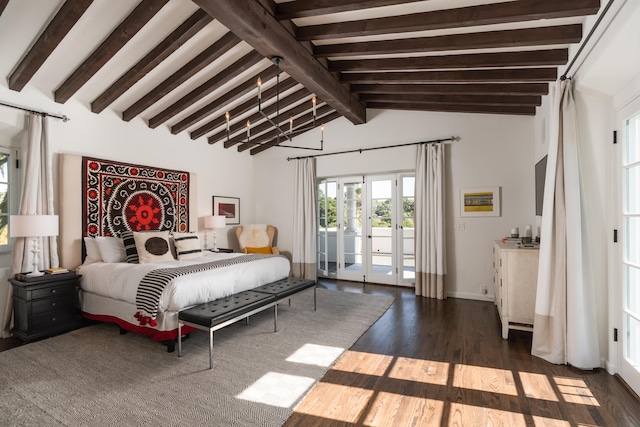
[103,197]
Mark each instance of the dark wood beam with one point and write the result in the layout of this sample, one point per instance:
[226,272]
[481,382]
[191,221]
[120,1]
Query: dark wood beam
[3,5]
[62,22]
[170,44]
[234,94]
[257,117]
[206,57]
[456,88]
[484,109]
[488,14]
[124,32]
[324,120]
[493,75]
[486,99]
[217,81]
[302,121]
[478,60]
[561,34]
[302,9]
[243,108]
[251,22]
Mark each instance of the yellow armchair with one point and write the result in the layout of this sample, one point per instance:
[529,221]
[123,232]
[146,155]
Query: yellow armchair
[257,238]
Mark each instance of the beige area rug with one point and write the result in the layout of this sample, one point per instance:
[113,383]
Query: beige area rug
[95,377]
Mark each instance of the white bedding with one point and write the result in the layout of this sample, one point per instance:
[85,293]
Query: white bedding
[119,281]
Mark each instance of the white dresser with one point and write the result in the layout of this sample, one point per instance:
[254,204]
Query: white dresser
[515,275]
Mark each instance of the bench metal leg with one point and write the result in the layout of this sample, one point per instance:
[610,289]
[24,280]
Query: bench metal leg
[179,339]
[275,318]
[210,348]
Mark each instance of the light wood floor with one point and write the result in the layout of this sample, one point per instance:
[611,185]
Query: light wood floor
[444,363]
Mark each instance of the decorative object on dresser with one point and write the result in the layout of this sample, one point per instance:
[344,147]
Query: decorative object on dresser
[480,201]
[46,305]
[229,207]
[213,222]
[515,276]
[34,226]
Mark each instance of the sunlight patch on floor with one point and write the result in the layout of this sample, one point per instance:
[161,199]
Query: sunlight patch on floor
[363,363]
[318,355]
[575,390]
[336,402]
[277,389]
[461,415]
[424,371]
[537,386]
[485,379]
[404,411]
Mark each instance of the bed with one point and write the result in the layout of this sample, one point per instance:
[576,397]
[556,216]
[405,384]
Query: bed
[122,226]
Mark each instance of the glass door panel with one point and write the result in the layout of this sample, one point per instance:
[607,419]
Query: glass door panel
[381,233]
[407,228]
[352,266]
[630,342]
[327,244]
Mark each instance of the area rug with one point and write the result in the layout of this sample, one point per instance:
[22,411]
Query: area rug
[95,377]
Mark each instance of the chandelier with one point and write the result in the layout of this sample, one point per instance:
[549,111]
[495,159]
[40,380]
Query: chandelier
[280,135]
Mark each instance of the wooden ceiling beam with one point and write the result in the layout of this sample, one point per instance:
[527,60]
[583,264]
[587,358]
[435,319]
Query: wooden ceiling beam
[151,60]
[3,5]
[56,30]
[306,8]
[455,88]
[560,35]
[120,36]
[203,59]
[534,58]
[216,82]
[243,108]
[227,98]
[488,14]
[483,109]
[485,99]
[494,75]
[255,25]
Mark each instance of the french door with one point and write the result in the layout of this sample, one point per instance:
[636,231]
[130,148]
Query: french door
[365,229]
[629,241]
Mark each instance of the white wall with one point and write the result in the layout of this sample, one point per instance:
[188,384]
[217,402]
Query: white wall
[493,151]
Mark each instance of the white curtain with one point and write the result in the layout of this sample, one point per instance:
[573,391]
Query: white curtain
[565,323]
[431,266]
[36,199]
[304,220]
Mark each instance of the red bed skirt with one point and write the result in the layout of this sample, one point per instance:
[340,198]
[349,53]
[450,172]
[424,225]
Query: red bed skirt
[141,330]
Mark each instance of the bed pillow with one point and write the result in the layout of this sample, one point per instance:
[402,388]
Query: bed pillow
[153,246]
[264,250]
[130,247]
[111,249]
[91,250]
[187,245]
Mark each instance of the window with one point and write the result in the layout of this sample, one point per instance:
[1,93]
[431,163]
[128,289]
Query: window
[7,195]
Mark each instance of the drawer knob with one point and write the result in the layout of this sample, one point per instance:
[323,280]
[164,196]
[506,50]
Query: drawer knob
[53,304]
[53,291]
[53,319]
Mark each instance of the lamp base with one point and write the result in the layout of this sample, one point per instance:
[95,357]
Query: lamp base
[35,273]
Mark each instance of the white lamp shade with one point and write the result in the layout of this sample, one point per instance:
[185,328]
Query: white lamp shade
[215,221]
[33,225]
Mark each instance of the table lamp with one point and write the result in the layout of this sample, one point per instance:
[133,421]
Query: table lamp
[33,226]
[213,222]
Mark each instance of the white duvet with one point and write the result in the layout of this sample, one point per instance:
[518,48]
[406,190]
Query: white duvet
[119,281]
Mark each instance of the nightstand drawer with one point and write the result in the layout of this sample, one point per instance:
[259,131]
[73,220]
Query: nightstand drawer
[60,303]
[53,291]
[51,321]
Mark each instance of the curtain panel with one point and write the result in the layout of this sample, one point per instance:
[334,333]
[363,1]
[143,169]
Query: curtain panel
[36,199]
[430,245]
[565,320]
[304,220]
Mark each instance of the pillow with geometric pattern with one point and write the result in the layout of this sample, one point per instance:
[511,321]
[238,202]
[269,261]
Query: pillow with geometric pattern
[153,246]
[187,245]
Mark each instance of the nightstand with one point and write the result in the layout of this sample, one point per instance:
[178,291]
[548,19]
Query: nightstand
[45,306]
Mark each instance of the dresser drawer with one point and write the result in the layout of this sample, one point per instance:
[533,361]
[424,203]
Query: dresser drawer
[51,321]
[59,303]
[53,291]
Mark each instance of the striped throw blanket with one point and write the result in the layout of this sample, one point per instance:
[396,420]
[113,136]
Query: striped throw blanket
[153,283]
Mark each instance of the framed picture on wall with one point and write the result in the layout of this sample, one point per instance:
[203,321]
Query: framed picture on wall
[480,201]
[227,206]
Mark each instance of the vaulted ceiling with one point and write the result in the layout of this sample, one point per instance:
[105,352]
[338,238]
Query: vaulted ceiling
[186,64]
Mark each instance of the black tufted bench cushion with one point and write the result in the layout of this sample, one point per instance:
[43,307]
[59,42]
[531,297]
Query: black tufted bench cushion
[284,288]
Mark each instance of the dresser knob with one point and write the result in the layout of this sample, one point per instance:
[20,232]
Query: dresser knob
[53,291]
[53,304]
[53,319]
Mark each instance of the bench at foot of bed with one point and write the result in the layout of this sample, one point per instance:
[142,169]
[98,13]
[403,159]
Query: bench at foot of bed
[217,314]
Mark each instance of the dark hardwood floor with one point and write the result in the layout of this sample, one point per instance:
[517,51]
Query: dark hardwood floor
[443,363]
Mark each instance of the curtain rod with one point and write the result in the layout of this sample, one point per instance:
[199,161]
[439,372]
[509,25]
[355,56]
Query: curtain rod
[360,150]
[41,113]
[586,40]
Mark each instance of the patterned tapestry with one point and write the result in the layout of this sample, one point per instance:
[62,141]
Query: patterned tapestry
[118,197]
